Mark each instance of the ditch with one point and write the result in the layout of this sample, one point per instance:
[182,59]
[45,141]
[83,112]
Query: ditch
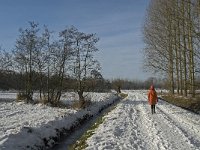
[76,140]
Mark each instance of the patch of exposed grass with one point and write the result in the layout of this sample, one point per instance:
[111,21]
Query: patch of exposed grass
[187,103]
[81,104]
[81,143]
[21,96]
[123,95]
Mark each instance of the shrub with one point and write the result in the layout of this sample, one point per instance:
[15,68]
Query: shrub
[44,100]
[82,104]
[123,95]
[21,96]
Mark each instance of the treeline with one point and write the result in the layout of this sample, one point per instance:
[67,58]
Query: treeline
[10,80]
[172,42]
[124,84]
[14,81]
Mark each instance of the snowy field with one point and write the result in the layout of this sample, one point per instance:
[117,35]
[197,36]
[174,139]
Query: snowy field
[26,126]
[131,126]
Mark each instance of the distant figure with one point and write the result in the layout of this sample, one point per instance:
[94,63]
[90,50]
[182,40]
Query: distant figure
[152,98]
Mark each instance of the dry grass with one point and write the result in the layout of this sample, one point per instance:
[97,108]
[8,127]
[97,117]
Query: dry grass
[78,104]
[43,100]
[123,95]
[81,143]
[21,97]
[187,103]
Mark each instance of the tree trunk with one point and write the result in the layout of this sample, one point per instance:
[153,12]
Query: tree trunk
[170,52]
[191,51]
[179,50]
[176,50]
[184,49]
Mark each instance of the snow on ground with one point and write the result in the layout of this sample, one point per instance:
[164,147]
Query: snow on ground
[131,126]
[7,96]
[26,126]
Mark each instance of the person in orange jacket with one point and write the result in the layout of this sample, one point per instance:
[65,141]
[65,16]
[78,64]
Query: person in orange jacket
[152,98]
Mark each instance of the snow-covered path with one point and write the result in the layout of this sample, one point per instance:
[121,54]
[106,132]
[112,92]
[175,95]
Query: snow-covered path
[131,126]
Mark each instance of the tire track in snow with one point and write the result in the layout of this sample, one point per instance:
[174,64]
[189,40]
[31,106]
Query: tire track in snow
[119,130]
[163,132]
[189,119]
[148,126]
[132,126]
[152,132]
[190,130]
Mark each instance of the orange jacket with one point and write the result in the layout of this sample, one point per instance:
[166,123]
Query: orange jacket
[152,96]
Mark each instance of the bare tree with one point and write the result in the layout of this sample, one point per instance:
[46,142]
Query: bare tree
[26,46]
[6,60]
[43,61]
[117,84]
[171,35]
[83,62]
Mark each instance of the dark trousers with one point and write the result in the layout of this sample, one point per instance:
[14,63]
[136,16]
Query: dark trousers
[153,109]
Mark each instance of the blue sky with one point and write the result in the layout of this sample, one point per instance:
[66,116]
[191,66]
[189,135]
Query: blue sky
[118,24]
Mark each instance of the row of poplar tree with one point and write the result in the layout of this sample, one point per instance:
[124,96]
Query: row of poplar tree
[172,42]
[40,56]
